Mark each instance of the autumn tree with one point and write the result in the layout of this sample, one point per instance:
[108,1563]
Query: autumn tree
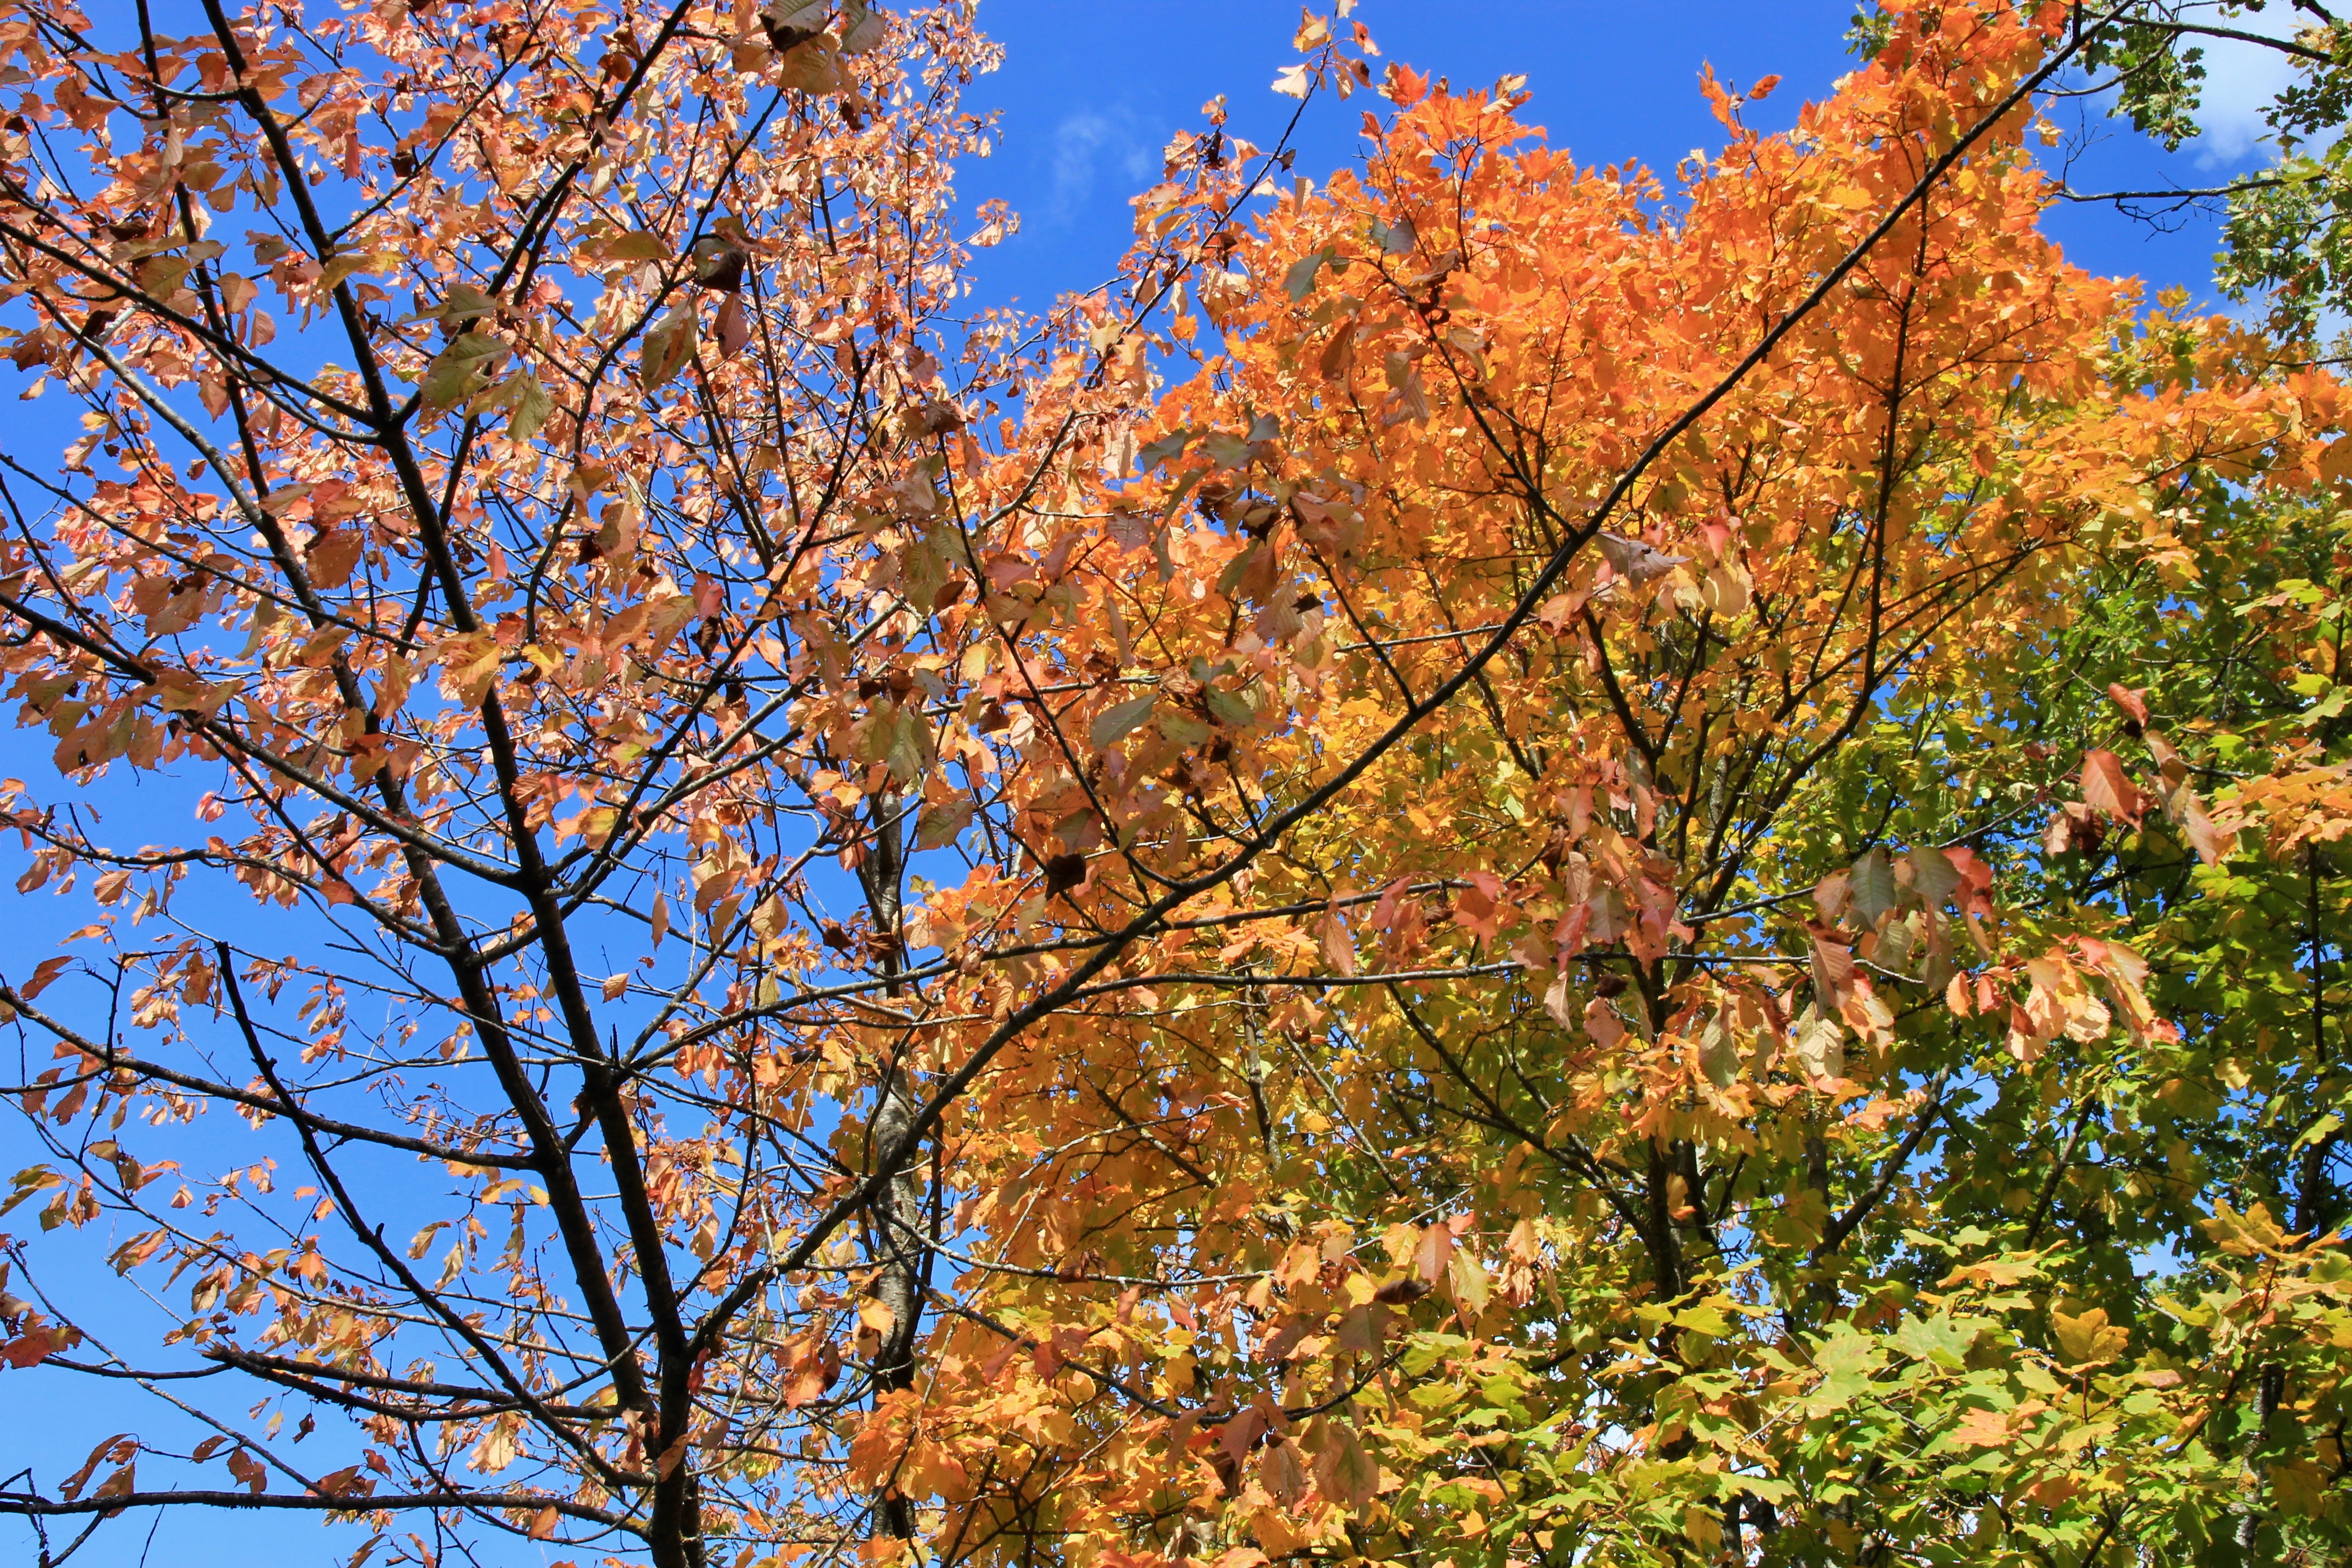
[2286,228]
[497,419]
[1510,862]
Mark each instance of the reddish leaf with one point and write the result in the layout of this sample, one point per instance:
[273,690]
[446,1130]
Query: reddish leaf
[1476,908]
[2107,788]
[734,331]
[1434,1251]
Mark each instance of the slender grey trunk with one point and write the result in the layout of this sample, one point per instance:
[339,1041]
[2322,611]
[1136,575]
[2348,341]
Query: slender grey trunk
[2269,1388]
[895,1213]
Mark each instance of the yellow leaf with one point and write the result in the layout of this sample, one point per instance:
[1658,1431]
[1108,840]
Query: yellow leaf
[2088,1339]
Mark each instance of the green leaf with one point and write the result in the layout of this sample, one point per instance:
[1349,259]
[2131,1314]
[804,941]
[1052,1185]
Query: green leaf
[458,371]
[1112,723]
[1718,1054]
[909,747]
[1871,884]
[1703,1319]
[669,343]
[1895,948]
[1226,450]
[1933,876]
[1350,1472]
[1183,729]
[531,405]
[1230,708]
[1847,1359]
[942,825]
[1160,451]
[462,303]
[1299,281]
[1176,497]
[1230,578]
[1943,1341]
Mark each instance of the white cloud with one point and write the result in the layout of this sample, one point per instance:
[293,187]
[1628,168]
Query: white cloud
[1086,146]
[2240,81]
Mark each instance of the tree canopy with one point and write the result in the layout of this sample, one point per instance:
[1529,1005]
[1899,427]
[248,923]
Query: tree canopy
[1507,864]
[2287,229]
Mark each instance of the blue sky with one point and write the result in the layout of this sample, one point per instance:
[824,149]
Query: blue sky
[1088,95]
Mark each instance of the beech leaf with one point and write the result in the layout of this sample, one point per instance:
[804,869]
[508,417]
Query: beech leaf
[459,369]
[1871,883]
[1113,723]
[529,407]
[1299,281]
[669,343]
[1933,876]
[942,825]
[1433,1252]
[2107,788]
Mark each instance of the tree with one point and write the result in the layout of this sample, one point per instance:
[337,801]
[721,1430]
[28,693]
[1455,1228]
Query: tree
[488,600]
[2287,240]
[1546,866]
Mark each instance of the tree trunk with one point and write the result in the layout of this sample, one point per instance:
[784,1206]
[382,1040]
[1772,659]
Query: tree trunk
[896,1213]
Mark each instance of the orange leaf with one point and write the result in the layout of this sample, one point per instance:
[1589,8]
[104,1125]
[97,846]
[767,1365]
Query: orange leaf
[1338,948]
[1404,85]
[1437,1249]
[1983,1429]
[2106,786]
[47,970]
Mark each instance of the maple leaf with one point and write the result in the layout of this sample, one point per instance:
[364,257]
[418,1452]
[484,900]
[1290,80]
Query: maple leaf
[31,1348]
[2087,1339]
[1478,908]
[1983,1428]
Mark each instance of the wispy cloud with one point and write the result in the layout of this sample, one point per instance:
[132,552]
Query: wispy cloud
[1088,146]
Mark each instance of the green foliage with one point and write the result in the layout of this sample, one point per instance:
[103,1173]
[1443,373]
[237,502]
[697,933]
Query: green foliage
[2289,236]
[2159,83]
